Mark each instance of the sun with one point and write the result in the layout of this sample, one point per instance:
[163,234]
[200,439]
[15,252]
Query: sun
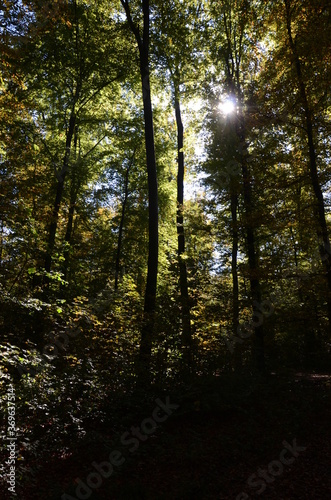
[227,106]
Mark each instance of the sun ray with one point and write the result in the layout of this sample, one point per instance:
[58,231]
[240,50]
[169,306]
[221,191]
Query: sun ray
[227,106]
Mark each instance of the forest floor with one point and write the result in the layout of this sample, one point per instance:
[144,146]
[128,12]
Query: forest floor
[224,439]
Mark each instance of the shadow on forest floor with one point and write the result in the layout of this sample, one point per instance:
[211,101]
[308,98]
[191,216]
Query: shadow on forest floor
[226,440]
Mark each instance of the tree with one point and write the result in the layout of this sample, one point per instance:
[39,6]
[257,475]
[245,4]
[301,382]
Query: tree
[295,107]
[69,50]
[178,59]
[143,42]
[308,123]
[234,21]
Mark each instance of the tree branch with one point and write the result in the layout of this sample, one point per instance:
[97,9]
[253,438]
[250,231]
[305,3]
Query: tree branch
[134,28]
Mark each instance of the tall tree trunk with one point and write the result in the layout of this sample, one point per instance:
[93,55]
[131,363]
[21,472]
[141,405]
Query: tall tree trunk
[153,244]
[120,231]
[251,248]
[322,229]
[296,263]
[73,198]
[59,194]
[233,61]
[68,235]
[1,242]
[234,272]
[186,312]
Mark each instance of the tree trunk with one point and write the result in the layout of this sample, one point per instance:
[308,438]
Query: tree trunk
[234,272]
[73,198]
[186,313]
[153,243]
[59,194]
[120,231]
[252,250]
[233,61]
[322,229]
[68,235]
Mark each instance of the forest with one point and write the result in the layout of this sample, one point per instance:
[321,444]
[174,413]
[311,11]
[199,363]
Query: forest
[165,258]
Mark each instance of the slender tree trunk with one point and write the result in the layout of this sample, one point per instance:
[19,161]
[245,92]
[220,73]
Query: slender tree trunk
[322,229]
[233,61]
[186,313]
[234,272]
[120,231]
[296,263]
[153,244]
[1,243]
[59,194]
[252,250]
[68,235]
[73,198]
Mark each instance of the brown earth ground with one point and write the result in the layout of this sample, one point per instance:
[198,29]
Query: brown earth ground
[222,432]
